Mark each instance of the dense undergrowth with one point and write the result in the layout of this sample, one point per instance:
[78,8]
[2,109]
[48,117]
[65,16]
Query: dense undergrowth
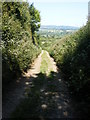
[72,56]
[18,50]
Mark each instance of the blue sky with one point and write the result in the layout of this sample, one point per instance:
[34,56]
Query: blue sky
[62,13]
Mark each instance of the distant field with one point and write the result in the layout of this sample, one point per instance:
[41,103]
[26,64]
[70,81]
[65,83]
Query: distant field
[51,34]
[56,31]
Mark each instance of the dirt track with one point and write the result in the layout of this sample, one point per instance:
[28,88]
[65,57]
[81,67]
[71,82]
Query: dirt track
[62,107]
[15,91]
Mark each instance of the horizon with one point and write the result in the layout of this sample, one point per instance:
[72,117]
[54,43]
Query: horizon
[61,25]
[62,13]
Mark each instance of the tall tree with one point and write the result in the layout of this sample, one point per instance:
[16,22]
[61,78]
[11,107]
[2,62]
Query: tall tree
[35,21]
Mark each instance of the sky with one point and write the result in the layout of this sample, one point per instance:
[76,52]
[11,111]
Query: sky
[66,12]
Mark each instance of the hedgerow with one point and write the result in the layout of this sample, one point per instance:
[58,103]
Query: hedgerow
[18,51]
[72,56]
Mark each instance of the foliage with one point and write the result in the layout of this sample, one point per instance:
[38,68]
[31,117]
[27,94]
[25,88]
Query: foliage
[35,21]
[18,50]
[72,56]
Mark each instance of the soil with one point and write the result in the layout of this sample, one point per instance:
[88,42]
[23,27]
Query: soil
[61,102]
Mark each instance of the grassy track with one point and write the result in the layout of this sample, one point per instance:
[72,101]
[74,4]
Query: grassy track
[47,96]
[45,63]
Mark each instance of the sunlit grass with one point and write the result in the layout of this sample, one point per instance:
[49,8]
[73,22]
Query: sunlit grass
[36,102]
[45,63]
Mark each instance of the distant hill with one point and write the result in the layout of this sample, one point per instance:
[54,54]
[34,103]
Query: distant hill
[59,27]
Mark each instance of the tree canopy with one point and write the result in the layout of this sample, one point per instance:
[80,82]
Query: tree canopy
[18,50]
[35,21]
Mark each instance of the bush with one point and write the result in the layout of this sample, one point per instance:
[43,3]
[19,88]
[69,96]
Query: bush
[18,50]
[72,56]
